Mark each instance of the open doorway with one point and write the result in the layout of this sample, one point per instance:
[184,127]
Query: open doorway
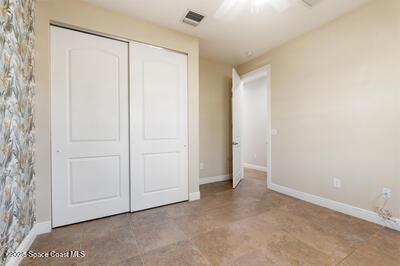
[254,128]
[251,126]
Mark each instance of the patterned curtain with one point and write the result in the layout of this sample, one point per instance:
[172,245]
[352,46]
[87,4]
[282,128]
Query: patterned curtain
[17,205]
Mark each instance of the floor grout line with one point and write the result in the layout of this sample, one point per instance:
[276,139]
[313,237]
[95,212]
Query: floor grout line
[201,252]
[363,244]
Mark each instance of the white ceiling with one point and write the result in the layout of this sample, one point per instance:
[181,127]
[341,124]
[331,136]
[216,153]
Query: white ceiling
[228,39]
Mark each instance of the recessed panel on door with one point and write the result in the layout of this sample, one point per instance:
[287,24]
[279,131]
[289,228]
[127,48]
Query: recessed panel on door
[84,172]
[156,166]
[161,100]
[158,127]
[90,126]
[94,111]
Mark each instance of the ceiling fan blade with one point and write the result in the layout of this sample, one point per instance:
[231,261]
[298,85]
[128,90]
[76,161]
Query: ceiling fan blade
[229,8]
[279,5]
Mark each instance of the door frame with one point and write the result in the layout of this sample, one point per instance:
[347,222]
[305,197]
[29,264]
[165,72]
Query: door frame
[264,71]
[128,41]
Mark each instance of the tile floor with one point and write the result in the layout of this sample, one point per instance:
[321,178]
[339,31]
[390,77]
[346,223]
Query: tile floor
[247,226]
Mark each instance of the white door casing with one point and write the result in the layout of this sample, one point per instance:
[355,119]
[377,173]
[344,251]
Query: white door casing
[159,134]
[89,126]
[237,169]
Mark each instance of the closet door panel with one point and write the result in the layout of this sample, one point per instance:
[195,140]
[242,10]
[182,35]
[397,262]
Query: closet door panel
[89,126]
[159,151]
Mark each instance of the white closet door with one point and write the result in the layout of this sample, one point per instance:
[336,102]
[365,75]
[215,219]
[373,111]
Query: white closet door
[159,151]
[89,126]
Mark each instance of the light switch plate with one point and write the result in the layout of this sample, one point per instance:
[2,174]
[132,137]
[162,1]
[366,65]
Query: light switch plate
[274,132]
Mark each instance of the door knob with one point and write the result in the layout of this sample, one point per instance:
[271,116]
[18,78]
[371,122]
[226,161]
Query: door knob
[235,143]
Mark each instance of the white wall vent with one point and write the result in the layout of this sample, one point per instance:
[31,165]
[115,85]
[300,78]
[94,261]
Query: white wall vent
[192,18]
[311,3]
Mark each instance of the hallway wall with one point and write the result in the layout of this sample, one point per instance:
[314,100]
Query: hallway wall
[255,123]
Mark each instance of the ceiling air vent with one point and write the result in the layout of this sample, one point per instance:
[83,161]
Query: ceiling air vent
[192,18]
[311,3]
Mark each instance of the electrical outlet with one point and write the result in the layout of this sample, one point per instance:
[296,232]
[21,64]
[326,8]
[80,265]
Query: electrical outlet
[255,156]
[201,166]
[387,193]
[337,183]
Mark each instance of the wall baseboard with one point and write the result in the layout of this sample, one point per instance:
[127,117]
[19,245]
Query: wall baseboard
[24,246]
[194,196]
[363,214]
[255,167]
[43,228]
[38,229]
[213,179]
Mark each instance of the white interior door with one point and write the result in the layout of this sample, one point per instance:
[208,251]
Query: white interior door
[159,151]
[237,171]
[89,126]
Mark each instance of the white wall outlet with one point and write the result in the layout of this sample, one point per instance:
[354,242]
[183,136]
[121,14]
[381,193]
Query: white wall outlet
[274,132]
[337,183]
[201,166]
[255,156]
[387,193]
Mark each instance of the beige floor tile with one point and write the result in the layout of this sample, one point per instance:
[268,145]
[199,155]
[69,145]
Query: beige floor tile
[335,247]
[211,203]
[258,231]
[181,253]
[135,261]
[99,229]
[155,236]
[349,228]
[222,245]
[149,217]
[51,262]
[247,189]
[197,224]
[250,225]
[182,209]
[327,231]
[193,225]
[288,250]
[387,241]
[284,251]
[254,258]
[111,249]
[210,190]
[63,238]
[369,256]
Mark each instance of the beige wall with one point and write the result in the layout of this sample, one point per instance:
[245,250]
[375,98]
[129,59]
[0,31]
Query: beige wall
[85,16]
[215,120]
[336,104]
